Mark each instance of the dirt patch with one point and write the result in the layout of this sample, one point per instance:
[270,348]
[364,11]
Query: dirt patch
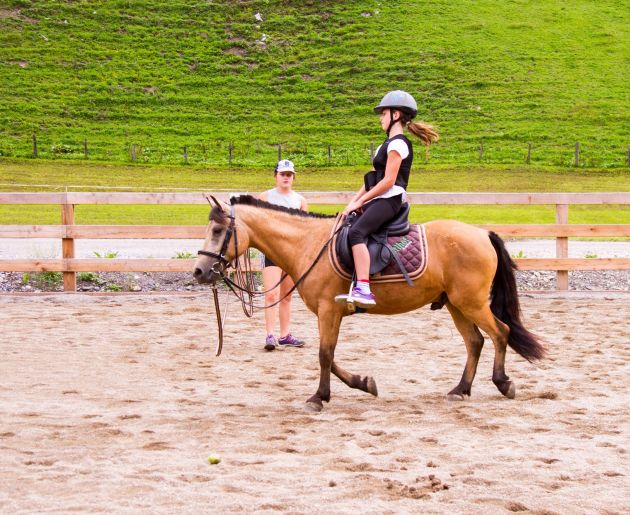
[15,14]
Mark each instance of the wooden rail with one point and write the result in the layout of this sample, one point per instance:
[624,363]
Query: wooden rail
[68,231]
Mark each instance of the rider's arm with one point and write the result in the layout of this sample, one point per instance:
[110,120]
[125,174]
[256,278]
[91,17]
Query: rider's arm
[304,205]
[394,160]
[264,196]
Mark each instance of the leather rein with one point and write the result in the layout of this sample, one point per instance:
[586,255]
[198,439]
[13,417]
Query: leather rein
[244,284]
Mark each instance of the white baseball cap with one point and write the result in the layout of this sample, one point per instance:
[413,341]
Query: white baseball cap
[285,165]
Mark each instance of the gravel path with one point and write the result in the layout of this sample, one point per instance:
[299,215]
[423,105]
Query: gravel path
[15,248]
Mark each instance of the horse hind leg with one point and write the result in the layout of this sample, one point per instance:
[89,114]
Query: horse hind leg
[474,343]
[498,332]
[365,383]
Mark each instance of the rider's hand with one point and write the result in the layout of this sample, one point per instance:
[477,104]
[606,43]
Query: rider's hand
[352,206]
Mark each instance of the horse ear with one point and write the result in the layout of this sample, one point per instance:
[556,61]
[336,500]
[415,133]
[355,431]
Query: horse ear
[216,202]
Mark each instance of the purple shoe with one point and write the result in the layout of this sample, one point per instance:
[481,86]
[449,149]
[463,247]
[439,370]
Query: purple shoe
[290,341]
[270,342]
[363,300]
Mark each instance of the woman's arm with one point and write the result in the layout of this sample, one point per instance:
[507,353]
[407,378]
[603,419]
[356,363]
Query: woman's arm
[304,205]
[394,161]
[355,203]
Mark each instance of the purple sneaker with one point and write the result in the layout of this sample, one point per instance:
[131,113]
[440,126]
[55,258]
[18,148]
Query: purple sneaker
[290,341]
[363,300]
[270,342]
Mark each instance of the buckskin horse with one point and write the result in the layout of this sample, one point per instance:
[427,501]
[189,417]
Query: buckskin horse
[469,271]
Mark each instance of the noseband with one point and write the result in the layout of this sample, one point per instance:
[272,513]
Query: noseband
[222,262]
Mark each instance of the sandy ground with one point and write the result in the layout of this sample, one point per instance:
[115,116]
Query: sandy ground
[114,404]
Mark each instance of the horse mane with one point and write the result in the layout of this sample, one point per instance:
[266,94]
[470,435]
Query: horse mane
[249,200]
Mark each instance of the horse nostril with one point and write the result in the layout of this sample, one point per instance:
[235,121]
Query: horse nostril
[198,272]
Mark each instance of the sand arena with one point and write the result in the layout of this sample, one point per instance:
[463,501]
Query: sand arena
[115,403]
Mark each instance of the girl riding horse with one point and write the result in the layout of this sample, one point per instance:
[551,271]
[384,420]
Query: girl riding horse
[383,192]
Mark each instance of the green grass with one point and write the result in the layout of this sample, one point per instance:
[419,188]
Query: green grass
[164,75]
[198,215]
[500,178]
[30,175]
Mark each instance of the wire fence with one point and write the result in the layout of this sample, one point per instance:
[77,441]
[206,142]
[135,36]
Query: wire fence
[221,153]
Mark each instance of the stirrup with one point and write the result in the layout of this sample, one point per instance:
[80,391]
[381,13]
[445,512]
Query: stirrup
[347,300]
[342,299]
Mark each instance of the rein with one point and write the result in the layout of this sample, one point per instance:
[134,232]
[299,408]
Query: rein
[244,285]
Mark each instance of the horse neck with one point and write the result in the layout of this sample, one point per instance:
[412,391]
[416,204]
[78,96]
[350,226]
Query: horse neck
[290,241]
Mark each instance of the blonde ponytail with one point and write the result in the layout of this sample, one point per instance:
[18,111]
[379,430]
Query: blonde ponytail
[424,132]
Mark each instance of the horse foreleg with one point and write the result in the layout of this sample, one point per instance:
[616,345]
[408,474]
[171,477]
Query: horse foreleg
[474,343]
[329,321]
[365,383]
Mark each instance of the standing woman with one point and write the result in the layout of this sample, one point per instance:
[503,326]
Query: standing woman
[384,189]
[281,195]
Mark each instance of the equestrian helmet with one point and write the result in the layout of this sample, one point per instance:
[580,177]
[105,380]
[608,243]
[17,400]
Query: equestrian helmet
[284,165]
[400,100]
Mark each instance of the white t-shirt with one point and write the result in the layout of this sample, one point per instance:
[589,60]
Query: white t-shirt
[400,146]
[292,199]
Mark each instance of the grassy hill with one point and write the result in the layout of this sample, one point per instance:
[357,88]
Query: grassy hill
[306,74]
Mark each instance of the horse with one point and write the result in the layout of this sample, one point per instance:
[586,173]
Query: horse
[469,271]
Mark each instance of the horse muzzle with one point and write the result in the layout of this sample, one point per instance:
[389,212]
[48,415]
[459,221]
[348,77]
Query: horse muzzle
[208,273]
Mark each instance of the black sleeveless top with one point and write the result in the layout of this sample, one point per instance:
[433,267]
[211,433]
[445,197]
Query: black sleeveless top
[380,162]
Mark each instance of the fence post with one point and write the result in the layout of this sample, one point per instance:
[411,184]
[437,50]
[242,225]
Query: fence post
[34,145]
[133,152]
[185,155]
[328,154]
[67,246]
[371,152]
[628,160]
[279,151]
[480,150]
[529,153]
[85,148]
[230,152]
[577,154]
[562,247]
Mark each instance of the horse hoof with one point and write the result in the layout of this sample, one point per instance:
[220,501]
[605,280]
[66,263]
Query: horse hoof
[511,391]
[371,386]
[455,397]
[314,407]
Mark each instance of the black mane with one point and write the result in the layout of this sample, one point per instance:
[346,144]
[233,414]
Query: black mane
[248,200]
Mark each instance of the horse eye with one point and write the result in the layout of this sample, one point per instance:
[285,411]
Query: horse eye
[216,231]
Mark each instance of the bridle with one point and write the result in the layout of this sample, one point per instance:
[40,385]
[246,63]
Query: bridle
[220,257]
[243,285]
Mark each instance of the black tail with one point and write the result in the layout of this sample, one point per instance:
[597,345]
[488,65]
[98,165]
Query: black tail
[504,304]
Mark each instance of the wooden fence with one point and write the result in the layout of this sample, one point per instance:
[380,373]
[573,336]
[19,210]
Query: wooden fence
[68,231]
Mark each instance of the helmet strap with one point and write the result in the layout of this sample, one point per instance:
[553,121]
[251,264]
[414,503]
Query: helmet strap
[392,122]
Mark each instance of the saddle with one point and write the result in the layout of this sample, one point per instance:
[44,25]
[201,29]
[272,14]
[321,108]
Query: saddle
[381,252]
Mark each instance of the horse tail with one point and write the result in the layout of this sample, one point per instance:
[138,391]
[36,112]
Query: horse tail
[505,306]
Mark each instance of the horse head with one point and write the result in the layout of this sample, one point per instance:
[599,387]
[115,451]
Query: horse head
[224,242]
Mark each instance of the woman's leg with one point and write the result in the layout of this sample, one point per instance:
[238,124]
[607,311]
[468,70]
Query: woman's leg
[271,276]
[285,306]
[375,214]
[361,258]
[286,338]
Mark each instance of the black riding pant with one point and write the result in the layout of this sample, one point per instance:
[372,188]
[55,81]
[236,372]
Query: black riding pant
[375,214]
